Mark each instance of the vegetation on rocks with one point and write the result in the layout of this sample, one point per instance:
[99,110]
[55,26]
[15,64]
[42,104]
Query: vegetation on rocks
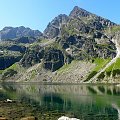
[100,63]
[113,71]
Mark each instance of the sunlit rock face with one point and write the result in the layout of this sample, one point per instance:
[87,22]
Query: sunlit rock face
[67,118]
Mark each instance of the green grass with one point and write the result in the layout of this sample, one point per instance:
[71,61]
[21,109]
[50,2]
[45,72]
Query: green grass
[43,40]
[12,70]
[1,71]
[115,29]
[114,68]
[100,63]
[54,45]
[14,66]
[33,73]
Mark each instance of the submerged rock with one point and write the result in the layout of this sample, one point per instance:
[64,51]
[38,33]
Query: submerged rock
[3,118]
[29,118]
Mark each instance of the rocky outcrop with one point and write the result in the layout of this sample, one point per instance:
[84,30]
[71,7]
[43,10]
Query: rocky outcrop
[15,47]
[92,20]
[115,72]
[54,27]
[17,32]
[32,56]
[85,48]
[79,12]
[53,59]
[6,46]
[7,61]
[25,40]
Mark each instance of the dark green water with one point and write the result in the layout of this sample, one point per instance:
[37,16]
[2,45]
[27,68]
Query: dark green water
[86,102]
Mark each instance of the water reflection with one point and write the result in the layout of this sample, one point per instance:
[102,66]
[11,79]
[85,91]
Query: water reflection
[86,102]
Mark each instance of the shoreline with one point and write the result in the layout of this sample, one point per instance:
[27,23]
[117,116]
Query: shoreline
[60,83]
[22,111]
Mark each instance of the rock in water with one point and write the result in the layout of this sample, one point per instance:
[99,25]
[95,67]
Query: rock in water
[8,100]
[29,118]
[2,118]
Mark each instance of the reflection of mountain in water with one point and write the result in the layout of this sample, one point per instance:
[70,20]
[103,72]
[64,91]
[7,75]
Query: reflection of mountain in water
[83,101]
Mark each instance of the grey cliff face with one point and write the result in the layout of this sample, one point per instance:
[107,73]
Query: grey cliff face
[53,28]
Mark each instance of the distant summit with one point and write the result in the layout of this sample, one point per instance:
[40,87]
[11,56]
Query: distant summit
[17,32]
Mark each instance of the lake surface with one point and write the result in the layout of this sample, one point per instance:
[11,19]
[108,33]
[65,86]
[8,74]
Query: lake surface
[85,102]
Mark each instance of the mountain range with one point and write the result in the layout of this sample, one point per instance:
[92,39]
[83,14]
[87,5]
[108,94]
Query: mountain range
[17,32]
[74,48]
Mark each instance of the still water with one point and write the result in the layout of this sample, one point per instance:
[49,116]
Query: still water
[86,102]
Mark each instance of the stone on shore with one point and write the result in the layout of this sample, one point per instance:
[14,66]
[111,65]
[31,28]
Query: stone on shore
[67,118]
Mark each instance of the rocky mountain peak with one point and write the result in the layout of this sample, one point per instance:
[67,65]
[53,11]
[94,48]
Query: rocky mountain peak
[53,28]
[79,20]
[79,12]
[60,19]
[7,28]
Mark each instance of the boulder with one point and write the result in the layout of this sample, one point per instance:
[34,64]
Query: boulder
[67,118]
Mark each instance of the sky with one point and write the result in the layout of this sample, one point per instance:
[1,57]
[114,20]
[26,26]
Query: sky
[36,14]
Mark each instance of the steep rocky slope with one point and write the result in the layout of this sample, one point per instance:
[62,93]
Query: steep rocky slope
[54,27]
[110,70]
[10,52]
[76,48]
[14,42]
[79,21]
